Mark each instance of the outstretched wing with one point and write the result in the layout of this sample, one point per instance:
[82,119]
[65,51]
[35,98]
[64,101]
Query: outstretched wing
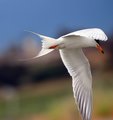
[93,33]
[79,68]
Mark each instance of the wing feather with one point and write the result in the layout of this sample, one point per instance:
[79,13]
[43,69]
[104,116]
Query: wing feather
[93,33]
[79,68]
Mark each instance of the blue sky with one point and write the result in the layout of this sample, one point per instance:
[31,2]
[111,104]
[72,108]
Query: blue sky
[49,16]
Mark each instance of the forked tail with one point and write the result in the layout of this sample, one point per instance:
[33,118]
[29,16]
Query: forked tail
[47,42]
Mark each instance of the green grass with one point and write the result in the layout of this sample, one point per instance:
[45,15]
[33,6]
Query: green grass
[41,103]
[2,108]
[55,100]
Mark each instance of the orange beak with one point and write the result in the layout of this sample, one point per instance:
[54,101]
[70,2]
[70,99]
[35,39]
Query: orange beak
[99,48]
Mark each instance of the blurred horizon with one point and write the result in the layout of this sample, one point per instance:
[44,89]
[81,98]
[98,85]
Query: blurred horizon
[48,17]
[41,89]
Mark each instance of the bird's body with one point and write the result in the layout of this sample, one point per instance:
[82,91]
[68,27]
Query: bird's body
[72,42]
[70,48]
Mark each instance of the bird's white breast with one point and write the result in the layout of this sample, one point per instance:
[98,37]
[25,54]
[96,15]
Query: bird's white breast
[77,42]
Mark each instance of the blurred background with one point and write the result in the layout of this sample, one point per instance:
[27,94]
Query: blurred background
[41,89]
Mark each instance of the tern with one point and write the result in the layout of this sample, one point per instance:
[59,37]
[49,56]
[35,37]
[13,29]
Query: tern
[70,49]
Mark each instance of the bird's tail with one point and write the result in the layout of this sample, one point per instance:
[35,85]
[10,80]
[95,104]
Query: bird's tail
[48,44]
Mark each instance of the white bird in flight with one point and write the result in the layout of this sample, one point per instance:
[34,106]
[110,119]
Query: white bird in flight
[70,48]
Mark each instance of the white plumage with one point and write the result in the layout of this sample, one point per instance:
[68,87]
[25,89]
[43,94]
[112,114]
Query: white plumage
[94,33]
[70,48]
[79,68]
